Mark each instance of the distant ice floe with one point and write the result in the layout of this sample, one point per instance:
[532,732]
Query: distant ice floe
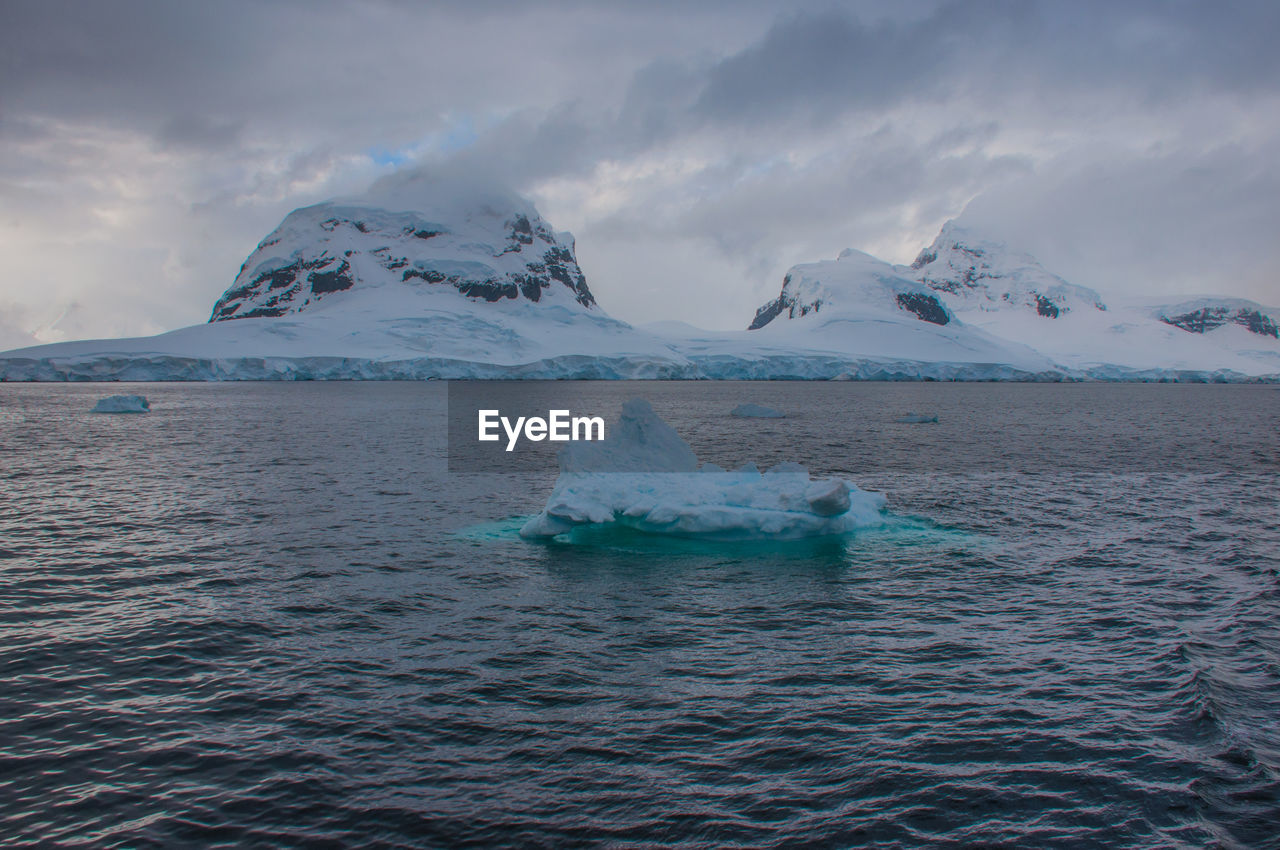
[644,476]
[756,411]
[916,419]
[122,404]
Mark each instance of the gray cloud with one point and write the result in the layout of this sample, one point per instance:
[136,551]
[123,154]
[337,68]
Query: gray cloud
[145,147]
[1174,220]
[199,132]
[828,62]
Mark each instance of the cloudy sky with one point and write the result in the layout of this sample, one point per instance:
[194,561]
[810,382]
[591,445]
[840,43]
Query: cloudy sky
[695,150]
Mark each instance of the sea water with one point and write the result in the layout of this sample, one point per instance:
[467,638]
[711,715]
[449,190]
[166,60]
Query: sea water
[268,614]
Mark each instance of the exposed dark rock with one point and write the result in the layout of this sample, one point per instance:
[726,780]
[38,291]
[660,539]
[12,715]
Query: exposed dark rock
[926,257]
[275,280]
[1198,321]
[767,313]
[1045,307]
[262,312]
[562,266]
[428,275]
[785,303]
[521,230]
[489,290]
[531,286]
[331,281]
[1209,318]
[1257,322]
[926,307]
[280,278]
[942,285]
[230,300]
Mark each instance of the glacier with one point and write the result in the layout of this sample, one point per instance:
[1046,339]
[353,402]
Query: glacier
[643,476]
[425,278]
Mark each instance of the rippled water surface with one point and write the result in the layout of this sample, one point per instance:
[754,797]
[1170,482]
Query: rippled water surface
[268,615]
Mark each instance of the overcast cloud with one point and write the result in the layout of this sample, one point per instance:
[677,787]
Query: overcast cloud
[695,152]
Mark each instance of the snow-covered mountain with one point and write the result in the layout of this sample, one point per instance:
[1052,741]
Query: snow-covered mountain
[973,273]
[861,306]
[418,277]
[855,283]
[422,277]
[971,299]
[1009,294]
[429,234]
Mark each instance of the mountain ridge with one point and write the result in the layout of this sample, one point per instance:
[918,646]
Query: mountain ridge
[424,277]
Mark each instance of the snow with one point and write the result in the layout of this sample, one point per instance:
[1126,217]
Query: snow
[425,278]
[854,306]
[1005,293]
[447,241]
[644,476]
[122,404]
[974,272]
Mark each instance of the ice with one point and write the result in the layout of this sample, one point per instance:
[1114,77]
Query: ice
[916,419]
[756,411]
[644,476]
[122,404]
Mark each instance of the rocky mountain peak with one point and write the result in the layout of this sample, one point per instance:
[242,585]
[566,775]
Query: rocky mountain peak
[416,232]
[971,271]
[853,282]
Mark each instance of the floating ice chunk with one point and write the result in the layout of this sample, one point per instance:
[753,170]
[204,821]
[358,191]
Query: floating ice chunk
[829,497]
[644,476]
[916,419]
[122,404]
[757,411]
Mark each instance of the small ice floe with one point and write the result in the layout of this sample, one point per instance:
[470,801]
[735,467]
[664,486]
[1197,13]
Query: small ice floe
[916,419]
[756,411]
[644,476]
[122,404]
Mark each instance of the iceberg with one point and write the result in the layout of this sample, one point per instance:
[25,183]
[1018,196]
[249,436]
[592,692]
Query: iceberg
[644,476]
[756,411]
[916,419]
[122,404]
